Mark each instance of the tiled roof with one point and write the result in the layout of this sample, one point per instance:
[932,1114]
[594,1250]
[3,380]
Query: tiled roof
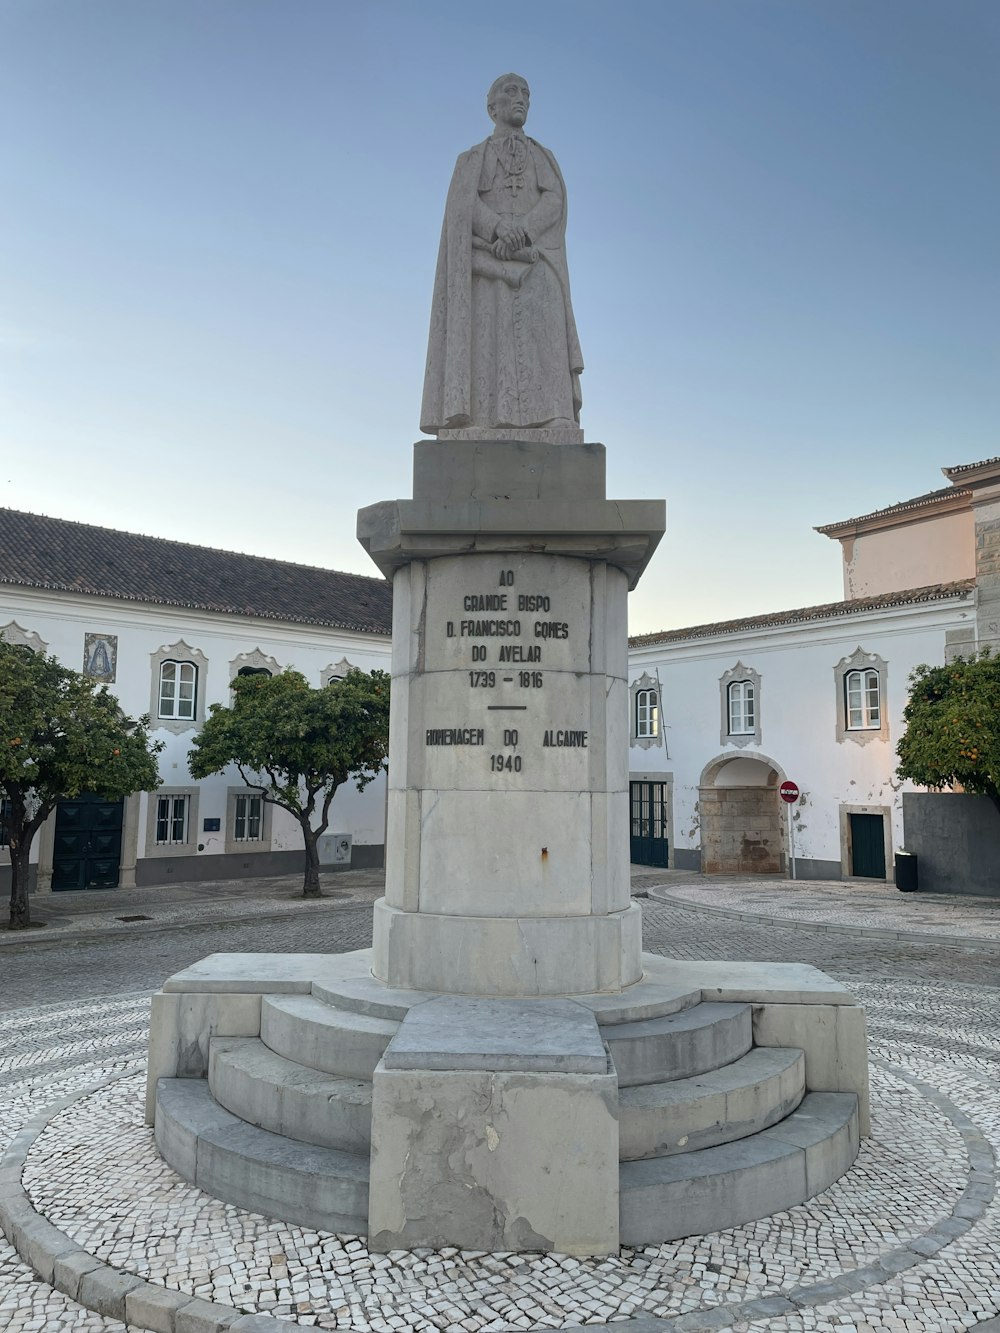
[918,502]
[53,553]
[831,610]
[969,467]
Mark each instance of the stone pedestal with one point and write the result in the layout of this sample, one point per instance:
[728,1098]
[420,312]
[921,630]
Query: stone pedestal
[495,1127]
[507,842]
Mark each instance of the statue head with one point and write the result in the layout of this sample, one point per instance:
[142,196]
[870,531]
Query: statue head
[507,100]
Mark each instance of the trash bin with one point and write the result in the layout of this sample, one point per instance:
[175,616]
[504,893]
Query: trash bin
[906,872]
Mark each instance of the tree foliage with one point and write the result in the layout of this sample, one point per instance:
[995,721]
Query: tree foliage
[296,745]
[61,734]
[952,721]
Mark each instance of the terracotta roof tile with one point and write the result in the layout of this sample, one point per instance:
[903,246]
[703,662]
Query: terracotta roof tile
[903,506]
[969,467]
[53,553]
[830,610]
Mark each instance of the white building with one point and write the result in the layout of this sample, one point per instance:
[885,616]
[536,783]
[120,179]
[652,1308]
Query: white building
[723,714]
[167,626]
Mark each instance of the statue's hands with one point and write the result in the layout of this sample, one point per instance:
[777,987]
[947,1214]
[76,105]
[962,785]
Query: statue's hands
[510,239]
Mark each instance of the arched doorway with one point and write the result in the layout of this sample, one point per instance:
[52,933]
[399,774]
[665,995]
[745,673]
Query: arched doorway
[742,830]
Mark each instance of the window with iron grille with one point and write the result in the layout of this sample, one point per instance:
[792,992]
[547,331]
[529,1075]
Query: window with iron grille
[247,818]
[172,820]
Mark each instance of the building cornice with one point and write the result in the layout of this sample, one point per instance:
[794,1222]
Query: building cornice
[830,613]
[948,500]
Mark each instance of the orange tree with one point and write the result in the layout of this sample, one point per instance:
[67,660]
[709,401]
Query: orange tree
[296,745]
[952,718]
[61,734]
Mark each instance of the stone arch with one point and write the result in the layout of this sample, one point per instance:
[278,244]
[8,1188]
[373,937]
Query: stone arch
[711,770]
[742,824]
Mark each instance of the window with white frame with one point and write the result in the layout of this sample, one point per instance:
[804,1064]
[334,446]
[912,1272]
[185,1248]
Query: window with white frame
[862,684]
[178,690]
[645,723]
[647,713]
[863,700]
[742,708]
[178,675]
[248,817]
[173,814]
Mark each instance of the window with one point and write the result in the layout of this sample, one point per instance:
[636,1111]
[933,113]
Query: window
[248,821]
[742,712]
[863,703]
[647,713]
[177,687]
[254,663]
[247,818]
[4,823]
[178,690]
[861,680]
[336,671]
[172,820]
[645,730]
[740,698]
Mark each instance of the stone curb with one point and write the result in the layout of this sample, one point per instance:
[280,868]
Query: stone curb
[61,1262]
[56,934]
[661,895]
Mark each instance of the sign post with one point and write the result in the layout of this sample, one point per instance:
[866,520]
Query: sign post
[789,793]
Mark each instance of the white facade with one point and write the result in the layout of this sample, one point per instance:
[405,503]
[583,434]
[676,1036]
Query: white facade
[800,700]
[140,636]
[826,687]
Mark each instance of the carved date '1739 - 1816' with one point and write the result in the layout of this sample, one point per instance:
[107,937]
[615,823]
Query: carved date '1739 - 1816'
[506,616]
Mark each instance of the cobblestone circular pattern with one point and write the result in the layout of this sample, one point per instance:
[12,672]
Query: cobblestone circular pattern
[922,1182]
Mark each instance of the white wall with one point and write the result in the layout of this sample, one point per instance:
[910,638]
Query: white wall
[62,620]
[798,712]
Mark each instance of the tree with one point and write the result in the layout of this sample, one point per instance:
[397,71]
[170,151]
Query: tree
[952,721]
[297,745]
[61,734]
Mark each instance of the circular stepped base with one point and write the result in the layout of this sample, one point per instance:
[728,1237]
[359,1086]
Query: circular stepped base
[252,1168]
[660,1199]
[712,1130]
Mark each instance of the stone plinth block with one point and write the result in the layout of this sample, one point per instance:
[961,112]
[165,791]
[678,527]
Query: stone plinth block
[509,495]
[507,956]
[486,1155]
[552,1036]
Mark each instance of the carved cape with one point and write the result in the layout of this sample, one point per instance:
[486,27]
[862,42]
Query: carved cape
[448,392]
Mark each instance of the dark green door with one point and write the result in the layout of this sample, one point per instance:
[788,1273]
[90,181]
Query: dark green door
[649,823]
[88,843]
[868,846]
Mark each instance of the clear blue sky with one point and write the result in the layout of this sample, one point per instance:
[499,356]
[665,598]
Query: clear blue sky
[220,220]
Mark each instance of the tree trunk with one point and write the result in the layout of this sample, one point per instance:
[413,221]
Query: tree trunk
[20,910]
[310,885]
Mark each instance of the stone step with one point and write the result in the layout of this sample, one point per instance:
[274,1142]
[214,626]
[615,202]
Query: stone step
[254,1169]
[337,1041]
[688,1114]
[285,1097]
[680,1045]
[691,1194]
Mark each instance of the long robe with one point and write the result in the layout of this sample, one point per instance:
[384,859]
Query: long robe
[500,355]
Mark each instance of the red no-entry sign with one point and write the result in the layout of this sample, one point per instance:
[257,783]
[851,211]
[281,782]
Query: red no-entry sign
[789,791]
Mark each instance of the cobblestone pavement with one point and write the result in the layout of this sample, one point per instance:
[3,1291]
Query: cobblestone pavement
[73,1012]
[834,904]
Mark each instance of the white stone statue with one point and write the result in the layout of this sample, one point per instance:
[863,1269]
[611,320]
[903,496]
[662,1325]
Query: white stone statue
[503,357]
